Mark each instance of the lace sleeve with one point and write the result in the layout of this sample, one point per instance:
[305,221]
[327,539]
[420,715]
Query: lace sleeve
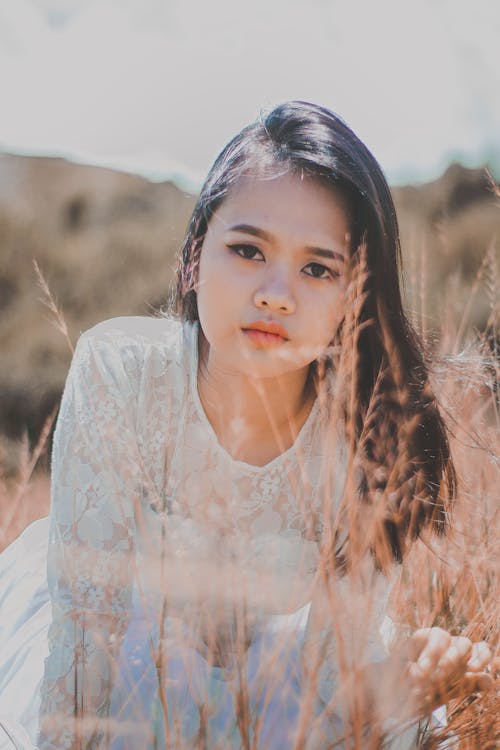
[95,481]
[344,637]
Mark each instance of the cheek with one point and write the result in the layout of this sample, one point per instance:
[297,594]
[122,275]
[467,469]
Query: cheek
[209,280]
[216,304]
[327,312]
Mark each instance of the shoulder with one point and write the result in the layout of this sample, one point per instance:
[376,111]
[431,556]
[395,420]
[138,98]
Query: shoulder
[140,330]
[130,344]
[139,334]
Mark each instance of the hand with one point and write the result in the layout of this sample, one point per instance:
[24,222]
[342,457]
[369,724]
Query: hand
[443,667]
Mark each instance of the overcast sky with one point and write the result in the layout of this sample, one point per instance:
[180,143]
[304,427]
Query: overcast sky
[158,86]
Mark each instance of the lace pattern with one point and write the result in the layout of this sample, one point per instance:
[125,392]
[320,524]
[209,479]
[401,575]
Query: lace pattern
[95,482]
[142,496]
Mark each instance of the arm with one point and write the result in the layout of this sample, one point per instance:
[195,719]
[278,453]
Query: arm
[95,481]
[346,656]
[425,672]
[385,698]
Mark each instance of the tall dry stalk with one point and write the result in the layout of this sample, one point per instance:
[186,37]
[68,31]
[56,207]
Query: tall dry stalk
[23,496]
[452,581]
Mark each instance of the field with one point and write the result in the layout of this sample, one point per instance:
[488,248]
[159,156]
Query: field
[452,296]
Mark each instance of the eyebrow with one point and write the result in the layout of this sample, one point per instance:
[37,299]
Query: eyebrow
[321,252]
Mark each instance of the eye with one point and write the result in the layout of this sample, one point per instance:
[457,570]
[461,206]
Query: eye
[319,271]
[248,252]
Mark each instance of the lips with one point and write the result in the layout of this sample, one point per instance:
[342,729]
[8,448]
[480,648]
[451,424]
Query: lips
[272,328]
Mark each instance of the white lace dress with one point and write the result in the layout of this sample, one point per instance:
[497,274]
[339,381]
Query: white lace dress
[161,544]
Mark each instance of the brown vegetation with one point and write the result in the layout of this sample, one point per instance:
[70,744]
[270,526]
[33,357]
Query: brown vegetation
[119,230]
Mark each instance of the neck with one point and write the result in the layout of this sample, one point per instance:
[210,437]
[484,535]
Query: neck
[255,419]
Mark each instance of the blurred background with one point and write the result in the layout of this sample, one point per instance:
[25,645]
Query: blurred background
[113,110]
[111,113]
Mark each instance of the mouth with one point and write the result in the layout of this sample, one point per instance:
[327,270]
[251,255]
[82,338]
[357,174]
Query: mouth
[266,334]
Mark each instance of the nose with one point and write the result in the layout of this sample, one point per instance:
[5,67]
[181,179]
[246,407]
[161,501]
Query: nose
[275,294]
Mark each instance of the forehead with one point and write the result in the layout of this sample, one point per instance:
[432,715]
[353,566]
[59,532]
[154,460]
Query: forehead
[287,203]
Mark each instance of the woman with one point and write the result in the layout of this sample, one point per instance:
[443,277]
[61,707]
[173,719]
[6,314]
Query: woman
[230,489]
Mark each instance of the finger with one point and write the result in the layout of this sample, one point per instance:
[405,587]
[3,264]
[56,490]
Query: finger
[418,642]
[471,682]
[480,657]
[477,682]
[454,661]
[437,644]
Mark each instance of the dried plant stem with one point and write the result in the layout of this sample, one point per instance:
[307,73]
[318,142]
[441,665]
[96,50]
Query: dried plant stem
[51,304]
[485,262]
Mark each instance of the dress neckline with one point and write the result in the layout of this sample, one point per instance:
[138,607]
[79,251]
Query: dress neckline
[200,411]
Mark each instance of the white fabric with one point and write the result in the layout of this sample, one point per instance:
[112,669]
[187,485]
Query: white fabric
[150,513]
[24,619]
[13,736]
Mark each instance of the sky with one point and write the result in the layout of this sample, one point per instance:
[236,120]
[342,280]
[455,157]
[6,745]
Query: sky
[159,86]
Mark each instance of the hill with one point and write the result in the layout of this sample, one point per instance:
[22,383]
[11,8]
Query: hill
[106,243]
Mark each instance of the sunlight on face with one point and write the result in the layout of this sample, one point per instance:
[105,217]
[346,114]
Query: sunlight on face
[272,275]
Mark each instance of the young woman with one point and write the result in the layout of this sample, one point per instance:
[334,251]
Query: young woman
[231,485]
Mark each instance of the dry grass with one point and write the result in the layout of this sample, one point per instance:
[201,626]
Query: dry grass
[105,241]
[452,582]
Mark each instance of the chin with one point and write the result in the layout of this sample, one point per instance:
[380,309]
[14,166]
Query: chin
[264,365]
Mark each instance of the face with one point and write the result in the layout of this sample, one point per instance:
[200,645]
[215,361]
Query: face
[271,279]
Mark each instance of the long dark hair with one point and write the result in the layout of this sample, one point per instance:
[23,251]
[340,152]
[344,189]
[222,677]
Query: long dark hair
[393,401]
